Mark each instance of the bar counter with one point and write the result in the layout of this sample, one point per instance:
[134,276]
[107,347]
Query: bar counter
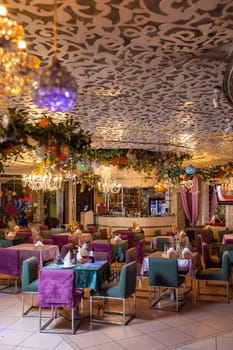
[148,224]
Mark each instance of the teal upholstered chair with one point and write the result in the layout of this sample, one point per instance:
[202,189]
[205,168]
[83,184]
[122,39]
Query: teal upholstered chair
[161,242]
[125,288]
[29,283]
[222,274]
[163,274]
[222,249]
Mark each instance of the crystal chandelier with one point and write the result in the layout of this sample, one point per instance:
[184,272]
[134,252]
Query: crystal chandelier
[17,65]
[43,178]
[107,184]
[10,31]
[54,87]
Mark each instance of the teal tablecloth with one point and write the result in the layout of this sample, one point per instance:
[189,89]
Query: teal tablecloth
[89,275]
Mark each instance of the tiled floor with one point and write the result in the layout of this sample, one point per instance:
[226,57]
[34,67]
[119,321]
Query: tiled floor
[202,326]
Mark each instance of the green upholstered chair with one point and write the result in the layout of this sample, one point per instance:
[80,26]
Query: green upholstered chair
[122,290]
[46,234]
[29,283]
[161,242]
[57,230]
[163,274]
[157,233]
[222,274]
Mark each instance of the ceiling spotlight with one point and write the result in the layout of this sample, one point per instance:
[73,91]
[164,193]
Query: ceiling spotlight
[217,91]
[228,129]
[216,102]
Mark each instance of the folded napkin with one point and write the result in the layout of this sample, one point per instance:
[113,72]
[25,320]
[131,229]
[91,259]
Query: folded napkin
[117,238]
[186,253]
[171,253]
[39,244]
[67,260]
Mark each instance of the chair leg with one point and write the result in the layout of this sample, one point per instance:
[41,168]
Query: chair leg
[197,291]
[25,312]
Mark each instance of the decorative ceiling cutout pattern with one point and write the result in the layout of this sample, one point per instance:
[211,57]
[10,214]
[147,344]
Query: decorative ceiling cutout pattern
[145,69]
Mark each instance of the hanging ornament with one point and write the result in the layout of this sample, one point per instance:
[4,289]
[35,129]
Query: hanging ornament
[190,170]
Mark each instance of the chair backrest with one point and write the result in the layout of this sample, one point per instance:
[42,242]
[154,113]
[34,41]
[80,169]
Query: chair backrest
[199,244]
[222,249]
[206,255]
[103,233]
[66,248]
[130,255]
[207,236]
[221,233]
[103,251]
[161,242]
[157,233]
[127,236]
[127,281]
[60,239]
[10,262]
[163,272]
[57,288]
[170,233]
[226,266]
[30,275]
[141,250]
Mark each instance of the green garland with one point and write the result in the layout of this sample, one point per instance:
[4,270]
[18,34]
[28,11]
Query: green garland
[61,142]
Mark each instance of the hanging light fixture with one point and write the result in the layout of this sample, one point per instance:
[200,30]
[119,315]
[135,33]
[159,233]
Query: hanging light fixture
[10,31]
[17,65]
[43,178]
[54,88]
[107,184]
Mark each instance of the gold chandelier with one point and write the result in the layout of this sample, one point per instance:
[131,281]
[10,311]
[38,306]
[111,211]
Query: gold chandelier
[17,66]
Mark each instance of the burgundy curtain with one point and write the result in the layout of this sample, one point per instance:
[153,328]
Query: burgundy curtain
[213,203]
[189,200]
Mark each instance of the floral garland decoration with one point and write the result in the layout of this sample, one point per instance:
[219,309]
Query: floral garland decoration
[56,142]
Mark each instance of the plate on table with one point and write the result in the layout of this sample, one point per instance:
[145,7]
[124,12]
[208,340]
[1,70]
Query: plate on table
[68,267]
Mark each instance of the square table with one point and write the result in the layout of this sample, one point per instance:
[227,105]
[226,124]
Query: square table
[43,253]
[88,275]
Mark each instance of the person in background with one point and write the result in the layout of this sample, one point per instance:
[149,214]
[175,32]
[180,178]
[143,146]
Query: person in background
[22,220]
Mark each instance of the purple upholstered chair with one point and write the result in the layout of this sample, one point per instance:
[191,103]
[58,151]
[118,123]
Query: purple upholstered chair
[44,240]
[170,233]
[103,251]
[10,265]
[60,239]
[57,288]
[228,240]
[130,255]
[199,242]
[128,236]
[209,261]
[141,250]
[66,248]
[24,233]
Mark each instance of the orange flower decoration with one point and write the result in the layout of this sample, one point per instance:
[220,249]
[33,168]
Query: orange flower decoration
[44,122]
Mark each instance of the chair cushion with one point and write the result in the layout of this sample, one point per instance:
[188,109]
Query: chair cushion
[33,286]
[210,274]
